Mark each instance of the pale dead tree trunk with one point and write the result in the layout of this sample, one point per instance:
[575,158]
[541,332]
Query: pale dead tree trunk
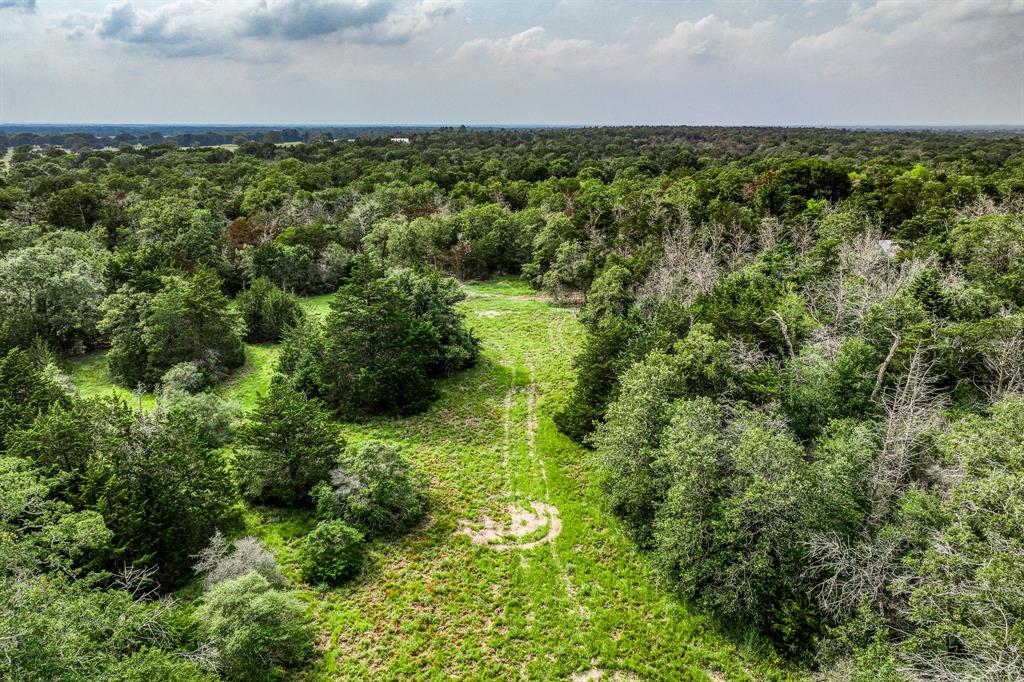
[785,333]
[910,411]
[768,234]
[1004,359]
[880,379]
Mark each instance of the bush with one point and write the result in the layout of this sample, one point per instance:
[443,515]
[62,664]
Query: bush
[187,320]
[184,377]
[288,445]
[387,336]
[331,553]
[374,489]
[52,293]
[267,311]
[221,561]
[160,485]
[255,629]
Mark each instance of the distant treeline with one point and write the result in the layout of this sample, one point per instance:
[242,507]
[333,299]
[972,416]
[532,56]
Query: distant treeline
[735,141]
[78,138]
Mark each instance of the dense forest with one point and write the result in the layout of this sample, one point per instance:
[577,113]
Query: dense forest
[800,389]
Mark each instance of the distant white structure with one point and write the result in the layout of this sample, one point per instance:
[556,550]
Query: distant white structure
[888,247]
[402,140]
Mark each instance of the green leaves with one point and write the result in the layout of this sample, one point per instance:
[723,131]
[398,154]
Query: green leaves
[188,319]
[289,444]
[256,629]
[388,335]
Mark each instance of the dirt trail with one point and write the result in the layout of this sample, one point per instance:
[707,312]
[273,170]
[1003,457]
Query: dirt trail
[495,534]
[501,535]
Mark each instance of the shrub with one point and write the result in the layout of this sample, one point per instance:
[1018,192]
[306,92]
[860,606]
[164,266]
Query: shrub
[288,445]
[255,629]
[331,553]
[267,310]
[53,293]
[222,560]
[184,377]
[187,320]
[374,489]
[160,485]
[387,336]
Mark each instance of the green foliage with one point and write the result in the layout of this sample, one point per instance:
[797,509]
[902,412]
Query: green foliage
[258,631]
[55,629]
[373,489]
[331,553]
[965,591]
[749,304]
[160,485]
[25,392]
[60,442]
[187,320]
[627,442]
[738,511]
[288,445]
[990,249]
[819,389]
[50,293]
[597,374]
[267,311]
[40,533]
[387,336]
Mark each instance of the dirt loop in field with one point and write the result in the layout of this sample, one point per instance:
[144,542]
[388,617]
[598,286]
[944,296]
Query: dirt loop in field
[594,675]
[522,523]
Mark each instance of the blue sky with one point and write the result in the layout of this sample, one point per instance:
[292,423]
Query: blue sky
[951,62]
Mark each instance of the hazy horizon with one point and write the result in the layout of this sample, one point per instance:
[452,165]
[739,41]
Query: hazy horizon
[542,63]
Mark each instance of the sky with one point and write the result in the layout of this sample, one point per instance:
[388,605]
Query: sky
[799,62]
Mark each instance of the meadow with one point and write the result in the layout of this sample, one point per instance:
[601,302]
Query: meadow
[565,597]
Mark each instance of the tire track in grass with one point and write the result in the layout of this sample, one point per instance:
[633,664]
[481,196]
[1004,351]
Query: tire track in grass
[490,532]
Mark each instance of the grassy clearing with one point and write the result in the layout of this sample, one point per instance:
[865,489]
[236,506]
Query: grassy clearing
[434,606]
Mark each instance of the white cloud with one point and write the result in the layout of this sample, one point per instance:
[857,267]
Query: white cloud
[897,36]
[242,28]
[712,38]
[28,6]
[533,48]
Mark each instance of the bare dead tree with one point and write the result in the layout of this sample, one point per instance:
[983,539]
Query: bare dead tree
[849,573]
[880,379]
[1003,357]
[784,328]
[136,581]
[768,234]
[690,265]
[985,205]
[996,662]
[911,410]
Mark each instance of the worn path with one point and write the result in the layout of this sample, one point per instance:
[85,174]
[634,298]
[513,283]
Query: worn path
[518,574]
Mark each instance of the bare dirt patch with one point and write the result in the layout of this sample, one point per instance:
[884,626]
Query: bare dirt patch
[522,523]
[492,313]
[594,674]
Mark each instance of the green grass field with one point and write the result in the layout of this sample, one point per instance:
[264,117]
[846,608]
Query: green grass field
[434,606]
